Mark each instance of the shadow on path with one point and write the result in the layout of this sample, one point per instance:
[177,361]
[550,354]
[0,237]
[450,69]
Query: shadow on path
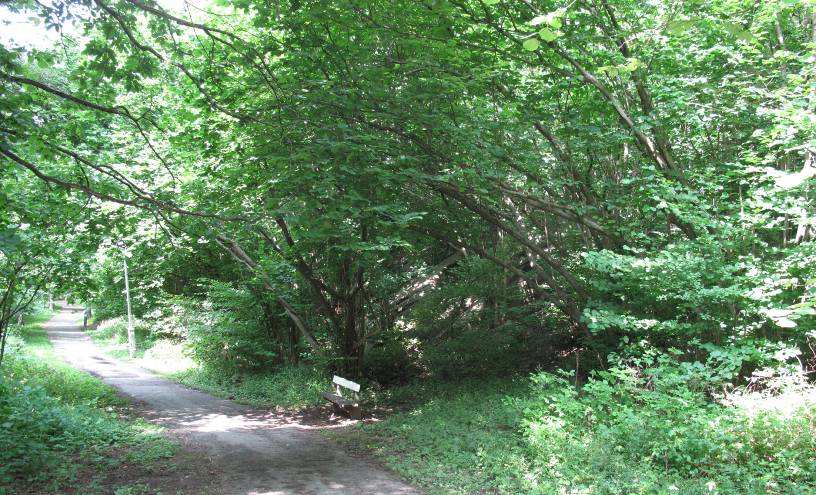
[259,452]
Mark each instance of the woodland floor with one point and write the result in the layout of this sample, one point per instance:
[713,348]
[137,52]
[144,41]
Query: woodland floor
[248,451]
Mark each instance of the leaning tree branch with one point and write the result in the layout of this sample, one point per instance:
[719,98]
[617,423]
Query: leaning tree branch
[239,254]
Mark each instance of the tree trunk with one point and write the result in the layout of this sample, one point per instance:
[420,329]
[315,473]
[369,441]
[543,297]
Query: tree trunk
[3,335]
[351,339]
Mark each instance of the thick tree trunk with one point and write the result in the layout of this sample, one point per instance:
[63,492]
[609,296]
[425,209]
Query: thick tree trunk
[352,337]
[351,331]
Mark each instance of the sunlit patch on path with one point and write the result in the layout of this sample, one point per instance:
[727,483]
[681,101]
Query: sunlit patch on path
[258,452]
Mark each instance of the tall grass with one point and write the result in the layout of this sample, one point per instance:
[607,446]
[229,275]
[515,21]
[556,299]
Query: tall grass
[56,421]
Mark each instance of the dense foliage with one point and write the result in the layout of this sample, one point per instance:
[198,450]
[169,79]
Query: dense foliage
[59,423]
[447,188]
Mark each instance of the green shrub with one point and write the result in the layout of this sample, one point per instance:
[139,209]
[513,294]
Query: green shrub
[110,329]
[51,413]
[166,356]
[112,335]
[172,317]
[391,362]
[229,346]
[223,332]
[231,331]
[458,438]
[644,426]
[476,353]
[288,386]
[37,431]
[57,379]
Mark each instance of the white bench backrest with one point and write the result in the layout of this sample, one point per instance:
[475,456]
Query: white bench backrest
[339,380]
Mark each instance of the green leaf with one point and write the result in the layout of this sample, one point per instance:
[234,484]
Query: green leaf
[631,65]
[547,34]
[745,35]
[732,28]
[531,44]
[679,26]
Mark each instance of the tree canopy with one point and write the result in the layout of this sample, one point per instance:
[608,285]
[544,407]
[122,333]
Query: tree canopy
[603,172]
[613,198]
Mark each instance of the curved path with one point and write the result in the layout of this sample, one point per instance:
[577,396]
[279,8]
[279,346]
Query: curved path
[259,452]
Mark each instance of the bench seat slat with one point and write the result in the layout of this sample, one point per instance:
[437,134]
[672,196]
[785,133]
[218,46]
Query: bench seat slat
[340,401]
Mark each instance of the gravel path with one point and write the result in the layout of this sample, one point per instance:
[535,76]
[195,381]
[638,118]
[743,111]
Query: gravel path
[258,452]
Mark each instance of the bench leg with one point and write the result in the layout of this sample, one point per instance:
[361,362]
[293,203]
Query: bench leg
[354,412]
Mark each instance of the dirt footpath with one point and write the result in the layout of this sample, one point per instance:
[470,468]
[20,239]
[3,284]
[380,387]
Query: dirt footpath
[257,452]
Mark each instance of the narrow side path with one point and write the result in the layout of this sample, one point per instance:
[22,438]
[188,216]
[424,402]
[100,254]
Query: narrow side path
[258,452]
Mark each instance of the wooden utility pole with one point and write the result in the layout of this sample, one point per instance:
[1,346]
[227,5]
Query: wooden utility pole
[130,333]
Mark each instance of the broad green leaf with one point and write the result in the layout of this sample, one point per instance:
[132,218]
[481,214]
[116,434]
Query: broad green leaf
[531,44]
[631,65]
[547,34]
[679,26]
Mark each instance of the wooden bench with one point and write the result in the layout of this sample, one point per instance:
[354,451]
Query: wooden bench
[347,405]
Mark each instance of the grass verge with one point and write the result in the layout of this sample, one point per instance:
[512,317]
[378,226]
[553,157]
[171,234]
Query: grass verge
[541,436]
[64,431]
[629,430]
[292,387]
[457,438]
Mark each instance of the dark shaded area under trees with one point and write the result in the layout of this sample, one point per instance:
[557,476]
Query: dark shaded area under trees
[398,190]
